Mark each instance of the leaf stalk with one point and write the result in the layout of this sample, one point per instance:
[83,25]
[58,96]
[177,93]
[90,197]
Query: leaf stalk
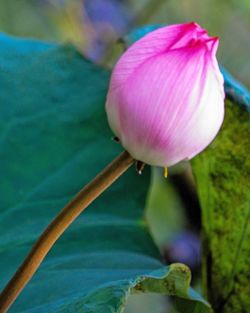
[58,226]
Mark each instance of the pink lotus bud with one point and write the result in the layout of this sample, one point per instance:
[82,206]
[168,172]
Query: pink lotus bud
[166,98]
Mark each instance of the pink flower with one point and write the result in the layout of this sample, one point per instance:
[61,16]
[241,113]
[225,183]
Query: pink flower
[166,98]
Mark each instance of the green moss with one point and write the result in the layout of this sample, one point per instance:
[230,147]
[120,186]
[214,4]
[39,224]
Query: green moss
[222,173]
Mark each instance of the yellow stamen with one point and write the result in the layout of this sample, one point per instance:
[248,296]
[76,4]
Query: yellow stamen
[165,172]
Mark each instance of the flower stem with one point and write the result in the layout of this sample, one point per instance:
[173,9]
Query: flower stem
[57,227]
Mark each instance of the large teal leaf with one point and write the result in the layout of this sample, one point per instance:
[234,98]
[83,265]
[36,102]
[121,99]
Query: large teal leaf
[54,139]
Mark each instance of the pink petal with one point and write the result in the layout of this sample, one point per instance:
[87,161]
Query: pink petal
[152,44]
[167,104]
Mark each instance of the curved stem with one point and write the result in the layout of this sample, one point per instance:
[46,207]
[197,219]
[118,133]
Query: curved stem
[62,221]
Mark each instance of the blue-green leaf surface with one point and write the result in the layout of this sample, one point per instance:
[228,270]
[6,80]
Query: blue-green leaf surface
[54,139]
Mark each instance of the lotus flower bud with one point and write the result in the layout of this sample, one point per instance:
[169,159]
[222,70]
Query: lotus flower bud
[166,98]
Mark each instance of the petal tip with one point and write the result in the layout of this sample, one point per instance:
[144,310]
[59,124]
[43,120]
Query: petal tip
[212,44]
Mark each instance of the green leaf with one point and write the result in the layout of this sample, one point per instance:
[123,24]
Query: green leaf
[54,139]
[222,173]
